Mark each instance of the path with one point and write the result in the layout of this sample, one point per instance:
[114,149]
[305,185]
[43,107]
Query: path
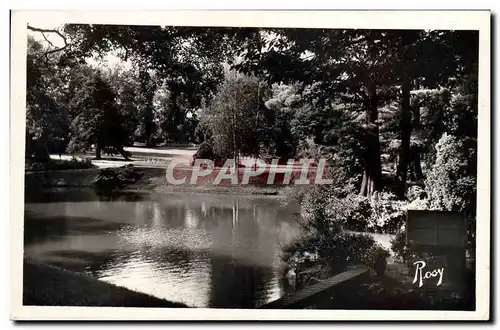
[141,157]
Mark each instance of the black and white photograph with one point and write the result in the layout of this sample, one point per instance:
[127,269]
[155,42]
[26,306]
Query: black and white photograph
[239,165]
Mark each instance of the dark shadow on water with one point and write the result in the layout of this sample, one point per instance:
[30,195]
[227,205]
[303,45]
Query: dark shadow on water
[84,262]
[81,195]
[248,287]
[39,229]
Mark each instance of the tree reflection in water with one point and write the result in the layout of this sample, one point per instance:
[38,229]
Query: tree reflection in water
[202,250]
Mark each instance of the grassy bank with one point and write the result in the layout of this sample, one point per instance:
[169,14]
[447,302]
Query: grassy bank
[45,285]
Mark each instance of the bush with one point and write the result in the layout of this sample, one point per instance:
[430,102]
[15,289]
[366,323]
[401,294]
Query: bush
[116,178]
[375,256]
[56,165]
[206,151]
[319,213]
[387,213]
[336,251]
[451,182]
[382,213]
[407,253]
[398,246]
[323,218]
[322,206]
[294,193]
[357,212]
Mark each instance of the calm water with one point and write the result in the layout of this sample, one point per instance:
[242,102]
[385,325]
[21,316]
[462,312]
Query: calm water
[201,250]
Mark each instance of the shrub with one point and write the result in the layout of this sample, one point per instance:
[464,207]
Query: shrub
[294,193]
[116,178]
[398,246]
[356,212]
[323,218]
[56,165]
[335,250]
[388,213]
[206,151]
[319,214]
[381,213]
[407,253]
[376,256]
[451,182]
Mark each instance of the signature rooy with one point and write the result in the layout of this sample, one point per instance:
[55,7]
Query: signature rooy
[420,275]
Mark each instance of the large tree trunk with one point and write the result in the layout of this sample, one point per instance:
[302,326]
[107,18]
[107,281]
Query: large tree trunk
[405,130]
[173,116]
[416,167]
[147,91]
[97,150]
[372,166]
[419,175]
[148,125]
[40,150]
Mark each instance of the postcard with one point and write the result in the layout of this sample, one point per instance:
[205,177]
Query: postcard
[250,165]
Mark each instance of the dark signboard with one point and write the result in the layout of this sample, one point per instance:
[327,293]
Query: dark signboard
[438,239]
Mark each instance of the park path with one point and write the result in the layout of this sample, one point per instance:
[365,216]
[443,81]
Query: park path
[141,156]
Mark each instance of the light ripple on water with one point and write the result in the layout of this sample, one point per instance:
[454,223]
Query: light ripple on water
[158,237]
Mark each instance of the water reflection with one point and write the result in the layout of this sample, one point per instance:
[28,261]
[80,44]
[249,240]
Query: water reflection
[202,250]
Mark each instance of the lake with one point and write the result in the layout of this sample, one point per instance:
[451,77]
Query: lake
[203,250]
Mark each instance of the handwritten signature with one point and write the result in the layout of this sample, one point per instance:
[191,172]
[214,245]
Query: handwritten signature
[420,275]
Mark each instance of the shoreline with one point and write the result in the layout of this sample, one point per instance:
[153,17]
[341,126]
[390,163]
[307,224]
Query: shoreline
[153,180]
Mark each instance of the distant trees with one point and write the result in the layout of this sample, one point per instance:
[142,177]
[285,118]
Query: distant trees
[187,64]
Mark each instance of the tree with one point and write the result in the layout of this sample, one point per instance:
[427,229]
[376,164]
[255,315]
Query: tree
[126,85]
[367,68]
[187,61]
[146,95]
[451,183]
[338,66]
[99,121]
[236,116]
[279,140]
[425,59]
[47,121]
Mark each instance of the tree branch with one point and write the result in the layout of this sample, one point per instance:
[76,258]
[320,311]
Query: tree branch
[43,31]
[44,37]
